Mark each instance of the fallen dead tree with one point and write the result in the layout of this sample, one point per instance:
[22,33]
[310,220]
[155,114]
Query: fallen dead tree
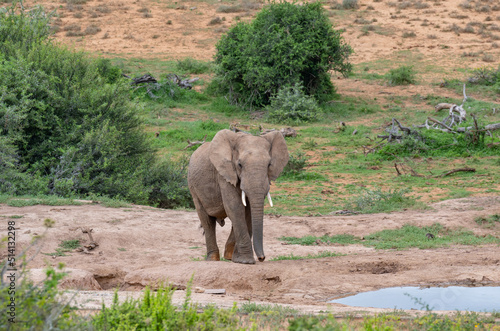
[151,84]
[396,132]
[405,169]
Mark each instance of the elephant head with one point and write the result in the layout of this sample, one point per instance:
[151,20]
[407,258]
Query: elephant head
[250,163]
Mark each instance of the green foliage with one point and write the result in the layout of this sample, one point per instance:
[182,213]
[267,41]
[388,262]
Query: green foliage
[291,256]
[486,76]
[192,66]
[296,164]
[70,244]
[434,143]
[412,236]
[488,221]
[407,236]
[48,200]
[394,321]
[168,93]
[343,239]
[350,4]
[168,184]
[64,247]
[61,135]
[404,75]
[285,44]
[155,311]
[252,307]
[378,201]
[37,306]
[292,106]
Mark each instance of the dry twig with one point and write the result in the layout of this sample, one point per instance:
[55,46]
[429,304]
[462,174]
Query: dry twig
[194,143]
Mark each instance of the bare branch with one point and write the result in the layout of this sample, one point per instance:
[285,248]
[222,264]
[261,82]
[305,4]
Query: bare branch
[194,143]
[440,123]
[456,170]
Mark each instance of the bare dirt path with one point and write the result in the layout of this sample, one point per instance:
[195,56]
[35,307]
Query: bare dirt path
[140,246]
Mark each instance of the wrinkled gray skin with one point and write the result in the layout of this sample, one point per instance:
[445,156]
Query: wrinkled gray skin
[218,172]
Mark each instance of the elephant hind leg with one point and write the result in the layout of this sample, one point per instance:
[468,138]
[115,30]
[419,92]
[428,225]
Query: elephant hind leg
[208,223]
[230,245]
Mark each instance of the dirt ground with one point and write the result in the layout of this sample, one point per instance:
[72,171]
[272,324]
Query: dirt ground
[140,246]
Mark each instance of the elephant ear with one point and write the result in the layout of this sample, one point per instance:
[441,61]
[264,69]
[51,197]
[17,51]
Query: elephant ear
[279,153]
[221,155]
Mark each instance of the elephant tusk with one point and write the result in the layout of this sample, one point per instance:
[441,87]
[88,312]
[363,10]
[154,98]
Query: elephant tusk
[269,198]
[243,198]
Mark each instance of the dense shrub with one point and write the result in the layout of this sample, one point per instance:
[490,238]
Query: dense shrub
[404,75]
[168,184]
[67,125]
[292,106]
[486,76]
[285,44]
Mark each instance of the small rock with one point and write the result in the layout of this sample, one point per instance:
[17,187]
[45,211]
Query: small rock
[216,291]
[199,290]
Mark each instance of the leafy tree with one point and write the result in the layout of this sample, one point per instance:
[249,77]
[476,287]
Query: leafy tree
[285,44]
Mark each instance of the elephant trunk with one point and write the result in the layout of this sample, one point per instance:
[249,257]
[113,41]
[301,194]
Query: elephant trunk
[257,211]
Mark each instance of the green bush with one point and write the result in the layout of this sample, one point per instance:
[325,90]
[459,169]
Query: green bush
[168,184]
[155,311]
[350,4]
[285,44]
[192,66]
[67,125]
[296,164]
[378,201]
[486,76]
[292,106]
[404,75]
[37,306]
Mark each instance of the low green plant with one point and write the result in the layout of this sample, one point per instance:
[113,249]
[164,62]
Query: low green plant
[488,221]
[291,256]
[292,106]
[156,311]
[342,239]
[296,164]
[412,236]
[65,246]
[252,307]
[193,66]
[378,201]
[48,200]
[350,4]
[404,75]
[407,236]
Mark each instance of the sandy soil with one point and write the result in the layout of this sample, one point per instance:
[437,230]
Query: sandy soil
[140,246]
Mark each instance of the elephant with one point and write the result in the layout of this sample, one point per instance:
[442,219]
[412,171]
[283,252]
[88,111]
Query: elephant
[230,177]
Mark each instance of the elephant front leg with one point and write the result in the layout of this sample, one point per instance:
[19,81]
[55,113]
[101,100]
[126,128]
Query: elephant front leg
[240,240]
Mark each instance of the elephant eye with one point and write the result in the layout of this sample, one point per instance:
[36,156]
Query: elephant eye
[239,164]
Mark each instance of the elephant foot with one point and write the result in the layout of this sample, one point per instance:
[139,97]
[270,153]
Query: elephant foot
[243,259]
[228,252]
[213,256]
